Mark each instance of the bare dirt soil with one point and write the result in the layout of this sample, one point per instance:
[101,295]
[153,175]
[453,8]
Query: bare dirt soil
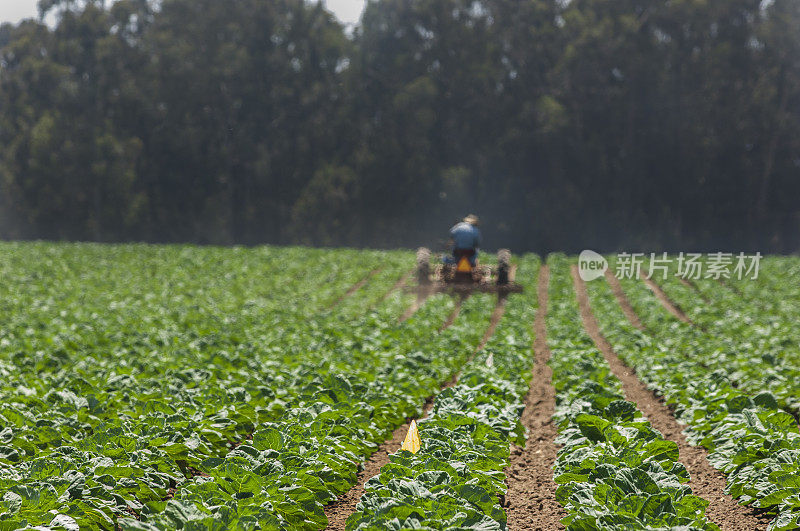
[730,286]
[692,285]
[665,301]
[530,501]
[627,309]
[401,282]
[454,315]
[357,286]
[706,481]
[497,315]
[422,296]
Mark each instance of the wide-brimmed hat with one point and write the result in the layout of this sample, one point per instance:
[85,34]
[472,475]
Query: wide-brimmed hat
[472,219]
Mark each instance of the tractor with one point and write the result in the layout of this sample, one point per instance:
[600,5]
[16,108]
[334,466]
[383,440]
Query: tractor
[461,276]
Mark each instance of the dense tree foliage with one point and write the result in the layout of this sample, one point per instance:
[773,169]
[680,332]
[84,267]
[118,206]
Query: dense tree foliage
[625,123]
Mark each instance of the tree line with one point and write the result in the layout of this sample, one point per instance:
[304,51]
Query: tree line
[625,124]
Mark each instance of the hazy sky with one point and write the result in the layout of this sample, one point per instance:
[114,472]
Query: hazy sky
[15,10]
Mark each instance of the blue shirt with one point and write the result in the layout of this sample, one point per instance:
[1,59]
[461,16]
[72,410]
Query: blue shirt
[466,236]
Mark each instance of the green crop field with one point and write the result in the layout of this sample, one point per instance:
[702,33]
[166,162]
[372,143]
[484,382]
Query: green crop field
[178,387]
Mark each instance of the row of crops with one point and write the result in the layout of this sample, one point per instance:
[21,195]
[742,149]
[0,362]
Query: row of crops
[146,387]
[457,478]
[613,469]
[155,388]
[130,374]
[725,379]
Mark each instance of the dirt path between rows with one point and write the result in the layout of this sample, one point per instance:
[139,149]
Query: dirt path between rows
[665,301]
[691,285]
[633,317]
[402,281]
[357,286]
[339,511]
[530,501]
[731,287]
[623,301]
[497,315]
[454,315]
[706,481]
[422,296]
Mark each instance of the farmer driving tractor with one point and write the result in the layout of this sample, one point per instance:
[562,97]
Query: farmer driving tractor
[466,238]
[460,270]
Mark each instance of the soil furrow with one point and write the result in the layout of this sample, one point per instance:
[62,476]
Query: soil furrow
[665,301]
[454,315]
[530,501]
[689,284]
[422,296]
[357,286]
[730,286]
[623,301]
[339,511]
[397,285]
[632,316]
[706,481]
[497,315]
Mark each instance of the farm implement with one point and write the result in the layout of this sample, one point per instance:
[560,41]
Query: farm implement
[464,277]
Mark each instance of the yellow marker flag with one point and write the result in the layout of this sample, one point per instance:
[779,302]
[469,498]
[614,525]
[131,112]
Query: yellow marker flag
[412,441]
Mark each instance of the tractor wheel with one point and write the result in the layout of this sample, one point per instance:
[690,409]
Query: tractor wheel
[503,266]
[423,266]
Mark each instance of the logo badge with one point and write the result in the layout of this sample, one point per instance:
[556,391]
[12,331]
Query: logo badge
[591,265]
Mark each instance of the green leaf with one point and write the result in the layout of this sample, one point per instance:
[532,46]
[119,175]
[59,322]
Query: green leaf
[766,400]
[622,410]
[592,426]
[268,439]
[656,506]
